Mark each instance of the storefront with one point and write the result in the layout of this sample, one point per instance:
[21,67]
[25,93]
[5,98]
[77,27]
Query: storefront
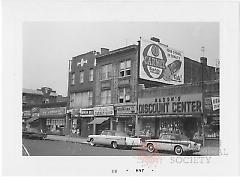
[174,114]
[53,120]
[212,124]
[26,115]
[103,119]
[87,115]
[75,121]
[125,118]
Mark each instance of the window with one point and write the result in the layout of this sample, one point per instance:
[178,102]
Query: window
[124,95]
[91,75]
[73,79]
[105,72]
[81,99]
[106,97]
[81,76]
[125,68]
[90,97]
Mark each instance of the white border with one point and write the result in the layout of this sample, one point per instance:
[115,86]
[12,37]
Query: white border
[16,12]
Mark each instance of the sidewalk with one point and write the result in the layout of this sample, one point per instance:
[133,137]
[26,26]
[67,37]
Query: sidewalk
[67,138]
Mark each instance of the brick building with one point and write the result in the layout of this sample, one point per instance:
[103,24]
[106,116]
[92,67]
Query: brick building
[42,109]
[117,88]
[81,93]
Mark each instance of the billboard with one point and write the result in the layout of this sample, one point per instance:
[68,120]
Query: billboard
[160,63]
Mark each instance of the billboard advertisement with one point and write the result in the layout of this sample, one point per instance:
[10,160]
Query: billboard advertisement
[160,63]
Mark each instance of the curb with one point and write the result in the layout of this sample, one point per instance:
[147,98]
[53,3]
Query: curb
[66,140]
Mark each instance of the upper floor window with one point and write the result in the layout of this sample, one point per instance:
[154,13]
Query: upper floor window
[106,97]
[81,99]
[91,75]
[125,68]
[90,97]
[73,79]
[124,95]
[105,72]
[81,76]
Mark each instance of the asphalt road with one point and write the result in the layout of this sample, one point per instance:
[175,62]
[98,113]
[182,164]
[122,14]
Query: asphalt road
[61,148]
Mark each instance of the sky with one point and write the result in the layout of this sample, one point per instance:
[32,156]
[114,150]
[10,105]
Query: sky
[48,46]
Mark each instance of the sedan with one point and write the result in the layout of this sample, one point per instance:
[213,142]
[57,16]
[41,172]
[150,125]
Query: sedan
[114,139]
[179,144]
[34,133]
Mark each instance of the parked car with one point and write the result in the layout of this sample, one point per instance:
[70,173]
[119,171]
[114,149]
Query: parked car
[33,133]
[114,139]
[177,143]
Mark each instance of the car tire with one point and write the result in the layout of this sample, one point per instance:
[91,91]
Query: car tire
[178,150]
[114,145]
[150,148]
[92,142]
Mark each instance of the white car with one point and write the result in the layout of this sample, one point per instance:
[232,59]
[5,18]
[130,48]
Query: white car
[177,143]
[114,138]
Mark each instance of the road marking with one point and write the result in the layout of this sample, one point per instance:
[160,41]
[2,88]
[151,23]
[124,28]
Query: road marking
[25,149]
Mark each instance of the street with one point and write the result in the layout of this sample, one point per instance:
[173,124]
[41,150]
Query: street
[62,148]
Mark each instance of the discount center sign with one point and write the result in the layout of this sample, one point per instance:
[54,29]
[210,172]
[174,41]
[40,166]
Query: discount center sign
[160,63]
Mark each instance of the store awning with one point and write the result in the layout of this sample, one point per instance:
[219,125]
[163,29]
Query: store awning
[32,119]
[99,120]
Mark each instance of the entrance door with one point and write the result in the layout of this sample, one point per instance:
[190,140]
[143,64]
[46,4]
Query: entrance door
[190,127]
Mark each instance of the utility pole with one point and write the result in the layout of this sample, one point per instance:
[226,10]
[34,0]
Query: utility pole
[203,103]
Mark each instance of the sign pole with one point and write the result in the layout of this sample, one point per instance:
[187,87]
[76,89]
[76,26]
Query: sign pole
[137,89]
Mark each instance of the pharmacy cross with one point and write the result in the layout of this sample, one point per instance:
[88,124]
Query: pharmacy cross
[82,62]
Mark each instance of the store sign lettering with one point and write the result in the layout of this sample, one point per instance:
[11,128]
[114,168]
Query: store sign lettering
[104,111]
[184,104]
[87,112]
[121,110]
[52,111]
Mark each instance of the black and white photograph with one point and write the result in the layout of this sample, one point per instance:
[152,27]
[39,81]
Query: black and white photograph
[141,90]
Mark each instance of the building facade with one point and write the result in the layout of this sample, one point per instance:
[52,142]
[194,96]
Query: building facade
[179,109]
[42,110]
[116,86]
[123,101]
[81,93]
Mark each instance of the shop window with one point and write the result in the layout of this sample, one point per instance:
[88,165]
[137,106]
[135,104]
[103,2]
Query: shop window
[105,72]
[124,95]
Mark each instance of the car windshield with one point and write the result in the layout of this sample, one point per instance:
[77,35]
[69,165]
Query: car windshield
[104,133]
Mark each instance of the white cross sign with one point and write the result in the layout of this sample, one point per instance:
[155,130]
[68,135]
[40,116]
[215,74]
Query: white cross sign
[82,62]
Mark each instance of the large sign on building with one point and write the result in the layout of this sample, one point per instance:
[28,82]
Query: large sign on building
[104,111]
[161,63]
[48,112]
[176,104]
